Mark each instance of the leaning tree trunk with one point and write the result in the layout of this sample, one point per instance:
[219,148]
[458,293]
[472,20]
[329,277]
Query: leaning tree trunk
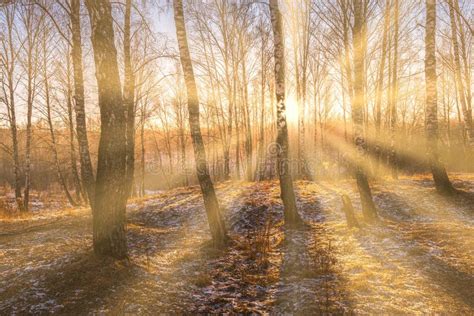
[284,171]
[216,223]
[440,176]
[111,187]
[368,206]
[87,174]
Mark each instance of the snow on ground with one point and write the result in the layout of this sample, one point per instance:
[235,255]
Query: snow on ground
[419,258]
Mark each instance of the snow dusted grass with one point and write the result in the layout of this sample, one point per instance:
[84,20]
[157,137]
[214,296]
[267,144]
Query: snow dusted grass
[419,258]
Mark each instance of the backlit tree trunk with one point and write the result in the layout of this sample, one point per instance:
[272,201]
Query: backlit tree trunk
[128,97]
[111,187]
[72,136]
[394,91]
[465,56]
[379,83]
[284,171]
[54,147]
[440,176]
[462,92]
[368,206]
[87,173]
[216,223]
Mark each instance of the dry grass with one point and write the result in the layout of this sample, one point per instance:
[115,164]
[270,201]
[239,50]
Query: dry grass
[9,212]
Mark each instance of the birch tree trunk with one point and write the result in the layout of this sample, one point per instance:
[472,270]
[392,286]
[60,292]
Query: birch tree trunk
[368,206]
[216,222]
[465,57]
[284,171]
[440,176]
[87,174]
[462,92]
[111,187]
[72,146]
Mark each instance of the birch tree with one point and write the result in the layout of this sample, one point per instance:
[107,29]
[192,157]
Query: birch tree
[440,176]
[368,206]
[216,222]
[87,174]
[462,91]
[282,146]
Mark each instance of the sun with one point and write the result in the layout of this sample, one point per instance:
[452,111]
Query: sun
[291,110]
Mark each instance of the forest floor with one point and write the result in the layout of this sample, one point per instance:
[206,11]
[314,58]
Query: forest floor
[419,258]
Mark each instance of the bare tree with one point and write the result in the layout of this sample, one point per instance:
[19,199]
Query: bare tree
[129,95]
[463,92]
[9,59]
[216,223]
[284,172]
[368,206]
[87,173]
[111,186]
[49,118]
[440,176]
[33,22]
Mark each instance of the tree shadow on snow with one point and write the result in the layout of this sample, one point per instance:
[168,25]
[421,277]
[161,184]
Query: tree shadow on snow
[310,279]
[74,284]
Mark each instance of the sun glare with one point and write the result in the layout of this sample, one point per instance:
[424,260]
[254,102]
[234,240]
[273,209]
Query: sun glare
[291,110]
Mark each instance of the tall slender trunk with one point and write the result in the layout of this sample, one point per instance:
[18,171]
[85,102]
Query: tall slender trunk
[61,179]
[284,171]
[315,122]
[379,84]
[465,57]
[248,132]
[11,101]
[14,133]
[30,91]
[237,139]
[111,187]
[394,91]
[142,157]
[261,135]
[462,92]
[347,52]
[440,176]
[216,222]
[128,97]
[72,147]
[87,173]
[368,206]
